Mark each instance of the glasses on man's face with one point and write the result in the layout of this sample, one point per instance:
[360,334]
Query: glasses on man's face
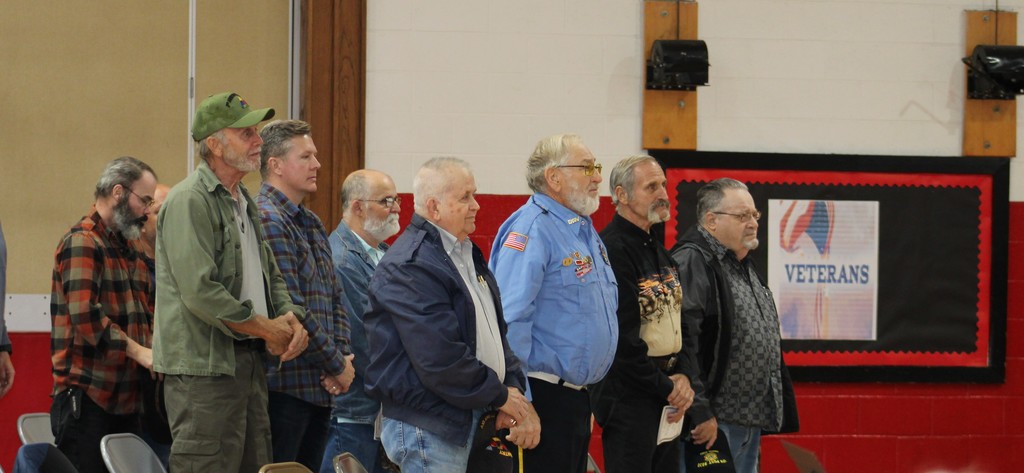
[743,217]
[387,201]
[588,169]
[147,201]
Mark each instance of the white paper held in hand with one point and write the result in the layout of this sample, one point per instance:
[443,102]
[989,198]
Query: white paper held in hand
[668,430]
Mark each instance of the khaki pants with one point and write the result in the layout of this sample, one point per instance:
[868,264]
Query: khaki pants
[220,423]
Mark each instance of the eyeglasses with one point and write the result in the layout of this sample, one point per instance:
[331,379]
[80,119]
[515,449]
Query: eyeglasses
[743,217]
[147,201]
[387,201]
[588,169]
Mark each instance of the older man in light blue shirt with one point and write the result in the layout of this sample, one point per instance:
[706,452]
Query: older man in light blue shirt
[559,297]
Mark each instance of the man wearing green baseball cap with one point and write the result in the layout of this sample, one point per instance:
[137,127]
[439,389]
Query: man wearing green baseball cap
[222,303]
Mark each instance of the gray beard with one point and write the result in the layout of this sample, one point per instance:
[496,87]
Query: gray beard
[382,229]
[582,203]
[128,225]
[654,216]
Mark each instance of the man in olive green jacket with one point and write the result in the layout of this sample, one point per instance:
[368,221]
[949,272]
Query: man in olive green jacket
[222,303]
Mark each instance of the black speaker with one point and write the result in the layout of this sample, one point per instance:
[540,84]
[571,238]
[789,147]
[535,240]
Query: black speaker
[995,72]
[677,65]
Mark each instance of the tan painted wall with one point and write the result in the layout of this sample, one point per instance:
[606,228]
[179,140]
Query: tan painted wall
[82,83]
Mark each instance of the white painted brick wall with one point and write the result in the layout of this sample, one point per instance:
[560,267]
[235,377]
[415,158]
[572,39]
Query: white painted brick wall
[485,79]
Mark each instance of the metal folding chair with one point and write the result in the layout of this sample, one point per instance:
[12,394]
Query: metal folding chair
[127,453]
[34,427]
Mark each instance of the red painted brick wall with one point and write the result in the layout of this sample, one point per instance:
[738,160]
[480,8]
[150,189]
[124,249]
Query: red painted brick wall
[854,428]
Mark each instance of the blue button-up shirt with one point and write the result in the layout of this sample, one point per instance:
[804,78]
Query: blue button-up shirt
[558,291]
[299,242]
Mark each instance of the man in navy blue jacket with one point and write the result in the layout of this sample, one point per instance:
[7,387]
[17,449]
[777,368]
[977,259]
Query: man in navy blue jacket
[438,354]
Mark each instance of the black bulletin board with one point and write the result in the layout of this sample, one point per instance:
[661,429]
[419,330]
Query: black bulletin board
[942,249]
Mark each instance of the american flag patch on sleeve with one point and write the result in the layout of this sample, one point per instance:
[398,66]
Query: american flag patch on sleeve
[516,241]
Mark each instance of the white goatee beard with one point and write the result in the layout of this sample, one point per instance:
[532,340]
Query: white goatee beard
[581,202]
[653,214]
[382,229]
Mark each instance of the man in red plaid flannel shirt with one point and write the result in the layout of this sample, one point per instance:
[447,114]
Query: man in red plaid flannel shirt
[101,318]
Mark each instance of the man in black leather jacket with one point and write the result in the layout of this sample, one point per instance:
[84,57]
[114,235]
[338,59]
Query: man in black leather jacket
[731,328]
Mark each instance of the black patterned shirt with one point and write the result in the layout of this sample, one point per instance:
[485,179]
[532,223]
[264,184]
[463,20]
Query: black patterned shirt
[751,392]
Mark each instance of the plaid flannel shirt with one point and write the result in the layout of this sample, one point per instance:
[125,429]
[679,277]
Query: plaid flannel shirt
[98,300]
[303,254]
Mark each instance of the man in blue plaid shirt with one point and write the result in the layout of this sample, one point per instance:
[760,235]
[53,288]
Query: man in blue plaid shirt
[299,407]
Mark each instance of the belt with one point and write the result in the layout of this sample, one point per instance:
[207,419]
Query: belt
[665,363]
[555,380]
[255,344]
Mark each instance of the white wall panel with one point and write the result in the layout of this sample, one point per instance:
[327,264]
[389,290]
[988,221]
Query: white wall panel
[485,80]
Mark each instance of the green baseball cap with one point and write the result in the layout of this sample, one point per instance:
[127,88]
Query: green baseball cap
[226,110]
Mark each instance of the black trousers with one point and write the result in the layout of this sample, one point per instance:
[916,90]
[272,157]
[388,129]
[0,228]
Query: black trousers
[629,437]
[298,430]
[79,424]
[565,431]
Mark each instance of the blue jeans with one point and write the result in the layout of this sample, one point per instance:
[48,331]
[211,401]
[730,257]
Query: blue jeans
[418,451]
[36,457]
[745,444]
[356,439]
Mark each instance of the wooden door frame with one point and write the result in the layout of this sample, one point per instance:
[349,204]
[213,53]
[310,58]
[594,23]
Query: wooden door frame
[333,95]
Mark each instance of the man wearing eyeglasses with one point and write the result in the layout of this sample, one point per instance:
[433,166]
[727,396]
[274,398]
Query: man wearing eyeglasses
[222,304]
[100,311]
[731,329]
[370,207]
[559,298]
[299,407]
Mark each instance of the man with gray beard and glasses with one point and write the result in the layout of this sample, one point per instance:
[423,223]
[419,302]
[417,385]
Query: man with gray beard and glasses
[559,298]
[101,330]
[370,207]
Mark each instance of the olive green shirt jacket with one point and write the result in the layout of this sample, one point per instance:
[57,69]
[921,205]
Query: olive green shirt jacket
[198,278]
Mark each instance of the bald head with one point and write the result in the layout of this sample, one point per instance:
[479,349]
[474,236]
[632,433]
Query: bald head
[364,184]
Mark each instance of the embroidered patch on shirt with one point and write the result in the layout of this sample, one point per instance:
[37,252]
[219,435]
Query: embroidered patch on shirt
[516,241]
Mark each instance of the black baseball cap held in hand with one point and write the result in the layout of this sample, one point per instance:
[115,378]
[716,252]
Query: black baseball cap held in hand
[717,459]
[226,110]
[488,452]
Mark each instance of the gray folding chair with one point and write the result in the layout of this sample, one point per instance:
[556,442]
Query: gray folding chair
[284,467]
[34,427]
[127,453]
[348,463]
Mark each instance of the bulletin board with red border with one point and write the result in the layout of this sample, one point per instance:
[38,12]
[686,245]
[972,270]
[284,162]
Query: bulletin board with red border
[943,227]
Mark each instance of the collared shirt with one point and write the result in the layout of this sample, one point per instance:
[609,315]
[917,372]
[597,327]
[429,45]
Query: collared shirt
[559,292]
[198,277]
[375,254]
[751,392]
[488,339]
[299,242]
[353,266]
[98,301]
